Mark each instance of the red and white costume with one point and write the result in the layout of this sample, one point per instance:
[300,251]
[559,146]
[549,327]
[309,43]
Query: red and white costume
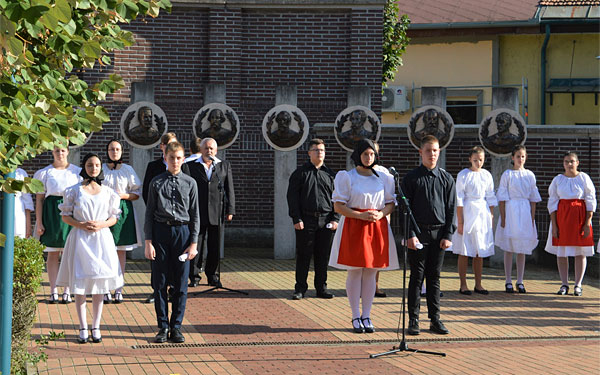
[358,243]
[571,197]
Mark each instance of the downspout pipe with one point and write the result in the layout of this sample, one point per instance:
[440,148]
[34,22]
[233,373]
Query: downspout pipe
[7,226]
[543,77]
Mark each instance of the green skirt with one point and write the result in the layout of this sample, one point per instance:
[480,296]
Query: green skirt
[124,231]
[55,230]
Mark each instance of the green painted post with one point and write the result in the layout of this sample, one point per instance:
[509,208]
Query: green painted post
[6,278]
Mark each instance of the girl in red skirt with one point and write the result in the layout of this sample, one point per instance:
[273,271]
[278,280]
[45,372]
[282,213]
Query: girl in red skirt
[363,242]
[571,204]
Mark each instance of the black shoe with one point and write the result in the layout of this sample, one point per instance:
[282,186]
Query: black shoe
[358,326]
[82,339]
[481,291]
[508,288]
[564,289]
[437,326]
[466,292]
[96,339]
[150,299]
[176,336]
[162,336]
[298,296]
[521,288]
[366,322]
[577,291]
[214,281]
[193,284]
[380,294]
[325,295]
[413,327]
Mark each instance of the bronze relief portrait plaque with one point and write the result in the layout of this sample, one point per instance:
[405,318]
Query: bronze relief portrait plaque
[285,127]
[502,130]
[142,124]
[355,123]
[430,120]
[218,121]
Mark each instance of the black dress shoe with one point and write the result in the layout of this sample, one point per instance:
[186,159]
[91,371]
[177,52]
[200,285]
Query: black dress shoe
[297,296]
[325,295]
[162,335]
[214,281]
[380,294]
[466,292]
[150,299]
[193,284]
[176,336]
[437,326]
[413,327]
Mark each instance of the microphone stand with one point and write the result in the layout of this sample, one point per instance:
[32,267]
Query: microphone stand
[409,220]
[224,200]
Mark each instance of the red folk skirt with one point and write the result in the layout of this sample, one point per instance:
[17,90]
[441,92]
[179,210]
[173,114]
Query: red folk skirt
[364,243]
[570,217]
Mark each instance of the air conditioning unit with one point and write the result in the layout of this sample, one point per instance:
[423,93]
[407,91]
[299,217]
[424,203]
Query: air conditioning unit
[394,99]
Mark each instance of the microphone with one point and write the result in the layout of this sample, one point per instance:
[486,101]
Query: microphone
[393,171]
[211,158]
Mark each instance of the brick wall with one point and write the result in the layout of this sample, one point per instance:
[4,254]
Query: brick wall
[252,51]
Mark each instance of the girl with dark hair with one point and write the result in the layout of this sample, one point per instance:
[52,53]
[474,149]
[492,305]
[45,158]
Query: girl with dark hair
[49,229]
[363,242]
[475,202]
[516,233]
[125,182]
[90,264]
[571,204]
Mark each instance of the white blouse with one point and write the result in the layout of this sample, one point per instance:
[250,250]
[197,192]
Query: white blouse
[578,187]
[57,180]
[518,184]
[123,180]
[472,185]
[363,192]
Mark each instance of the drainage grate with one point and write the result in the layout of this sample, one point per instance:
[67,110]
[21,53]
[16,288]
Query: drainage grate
[362,342]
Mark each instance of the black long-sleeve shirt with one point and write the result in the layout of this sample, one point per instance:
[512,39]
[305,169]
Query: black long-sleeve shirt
[309,191]
[432,198]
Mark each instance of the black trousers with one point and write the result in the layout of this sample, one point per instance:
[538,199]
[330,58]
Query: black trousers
[313,240]
[211,235]
[425,263]
[169,243]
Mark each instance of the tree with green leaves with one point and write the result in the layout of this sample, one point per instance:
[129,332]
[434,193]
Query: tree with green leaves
[45,43]
[394,39]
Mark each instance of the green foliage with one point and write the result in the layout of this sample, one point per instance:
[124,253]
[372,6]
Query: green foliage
[44,44]
[394,39]
[27,279]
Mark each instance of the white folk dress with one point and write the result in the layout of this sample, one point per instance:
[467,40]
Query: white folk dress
[363,192]
[90,264]
[23,201]
[475,194]
[517,189]
[563,187]
[56,181]
[125,181]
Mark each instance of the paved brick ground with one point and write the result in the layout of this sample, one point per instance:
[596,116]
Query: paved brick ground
[268,333]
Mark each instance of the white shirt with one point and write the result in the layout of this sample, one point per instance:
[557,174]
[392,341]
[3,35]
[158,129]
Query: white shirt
[123,180]
[57,180]
[578,187]
[23,201]
[208,169]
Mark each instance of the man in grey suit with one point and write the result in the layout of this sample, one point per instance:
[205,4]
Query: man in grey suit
[217,203]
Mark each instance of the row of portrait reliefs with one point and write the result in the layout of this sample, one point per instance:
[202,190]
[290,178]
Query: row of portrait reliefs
[285,127]
[500,131]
